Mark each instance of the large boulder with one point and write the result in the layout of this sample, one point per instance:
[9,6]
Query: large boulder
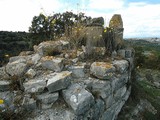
[121,65]
[102,70]
[22,59]
[52,63]
[36,85]
[59,81]
[99,88]
[35,58]
[47,99]
[79,99]
[4,85]
[78,71]
[3,74]
[99,21]
[51,47]
[16,68]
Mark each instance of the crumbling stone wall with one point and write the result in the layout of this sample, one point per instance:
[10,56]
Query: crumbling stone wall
[64,88]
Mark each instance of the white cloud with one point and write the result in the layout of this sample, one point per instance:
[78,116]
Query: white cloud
[139,18]
[50,6]
[106,4]
[16,15]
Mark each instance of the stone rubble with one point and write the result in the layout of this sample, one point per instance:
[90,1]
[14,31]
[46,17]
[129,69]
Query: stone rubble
[78,98]
[54,64]
[59,81]
[102,70]
[78,71]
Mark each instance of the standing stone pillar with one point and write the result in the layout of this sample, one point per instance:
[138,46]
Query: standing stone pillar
[116,24]
[93,38]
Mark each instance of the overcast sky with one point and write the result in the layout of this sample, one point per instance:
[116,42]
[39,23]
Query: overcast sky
[141,18]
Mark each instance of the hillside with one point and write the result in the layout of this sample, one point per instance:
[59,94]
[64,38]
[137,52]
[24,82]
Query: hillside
[12,43]
[143,103]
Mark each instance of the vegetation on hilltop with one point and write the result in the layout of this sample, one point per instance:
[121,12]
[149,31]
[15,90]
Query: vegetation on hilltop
[12,43]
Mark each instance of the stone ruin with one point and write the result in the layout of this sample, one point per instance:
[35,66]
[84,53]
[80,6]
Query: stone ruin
[93,35]
[57,82]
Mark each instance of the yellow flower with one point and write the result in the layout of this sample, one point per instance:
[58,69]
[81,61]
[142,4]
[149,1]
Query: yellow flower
[105,30]
[1,101]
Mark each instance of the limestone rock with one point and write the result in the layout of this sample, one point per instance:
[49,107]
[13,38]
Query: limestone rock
[108,115]
[30,73]
[36,85]
[121,53]
[120,93]
[35,58]
[99,21]
[131,63]
[51,63]
[121,65]
[22,59]
[126,53]
[119,82]
[129,53]
[74,60]
[98,109]
[116,21]
[65,44]
[99,88]
[46,106]
[79,99]
[25,53]
[48,48]
[117,24]
[59,81]
[48,98]
[102,70]
[3,74]
[127,94]
[114,54]
[78,70]
[80,54]
[4,85]
[29,103]
[16,68]
[109,101]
